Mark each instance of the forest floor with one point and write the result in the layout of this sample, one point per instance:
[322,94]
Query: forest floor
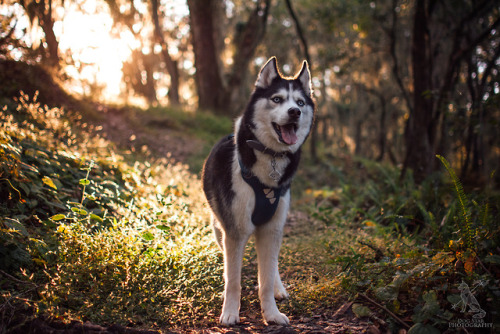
[161,138]
[147,135]
[107,231]
[102,231]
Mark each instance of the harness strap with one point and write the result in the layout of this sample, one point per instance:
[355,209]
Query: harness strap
[266,198]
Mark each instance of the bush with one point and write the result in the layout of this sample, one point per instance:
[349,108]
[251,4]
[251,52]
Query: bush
[409,247]
[90,235]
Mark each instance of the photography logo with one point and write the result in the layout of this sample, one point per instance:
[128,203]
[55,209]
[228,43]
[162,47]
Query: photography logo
[468,304]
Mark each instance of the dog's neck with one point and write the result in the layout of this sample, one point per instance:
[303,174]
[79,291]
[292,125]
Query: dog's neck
[248,147]
[257,145]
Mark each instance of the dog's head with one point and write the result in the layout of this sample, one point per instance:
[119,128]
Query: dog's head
[281,109]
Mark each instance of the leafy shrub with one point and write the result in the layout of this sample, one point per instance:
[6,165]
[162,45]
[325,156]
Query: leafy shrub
[408,246]
[99,237]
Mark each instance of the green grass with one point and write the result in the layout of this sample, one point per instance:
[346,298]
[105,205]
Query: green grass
[202,125]
[92,232]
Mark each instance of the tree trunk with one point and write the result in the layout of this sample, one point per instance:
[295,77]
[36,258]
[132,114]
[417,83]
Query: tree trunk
[173,91]
[395,61]
[245,44]
[42,10]
[303,41]
[212,91]
[149,86]
[382,137]
[382,133]
[208,78]
[357,137]
[419,129]
[52,43]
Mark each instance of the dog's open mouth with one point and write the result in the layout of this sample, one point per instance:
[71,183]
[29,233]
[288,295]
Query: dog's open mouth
[287,133]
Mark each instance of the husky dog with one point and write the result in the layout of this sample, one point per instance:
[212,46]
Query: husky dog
[247,177]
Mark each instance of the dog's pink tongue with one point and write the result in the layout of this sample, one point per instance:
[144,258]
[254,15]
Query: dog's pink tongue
[288,134]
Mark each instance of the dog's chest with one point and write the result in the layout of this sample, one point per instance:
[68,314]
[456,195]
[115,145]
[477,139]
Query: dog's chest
[268,169]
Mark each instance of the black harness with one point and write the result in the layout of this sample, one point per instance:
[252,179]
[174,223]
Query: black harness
[266,198]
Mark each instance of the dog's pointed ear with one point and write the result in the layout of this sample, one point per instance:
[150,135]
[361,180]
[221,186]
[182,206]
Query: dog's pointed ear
[267,74]
[304,78]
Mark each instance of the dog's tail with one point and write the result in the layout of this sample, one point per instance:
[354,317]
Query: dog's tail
[480,313]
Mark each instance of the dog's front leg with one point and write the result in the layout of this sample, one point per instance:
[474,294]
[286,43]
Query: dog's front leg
[268,242]
[233,257]
[279,288]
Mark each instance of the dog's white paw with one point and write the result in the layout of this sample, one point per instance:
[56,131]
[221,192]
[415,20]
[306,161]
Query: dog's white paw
[228,319]
[276,317]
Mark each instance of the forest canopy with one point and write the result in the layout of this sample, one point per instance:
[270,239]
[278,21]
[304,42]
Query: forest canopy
[394,80]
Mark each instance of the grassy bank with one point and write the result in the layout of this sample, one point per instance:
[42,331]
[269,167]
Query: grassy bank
[89,233]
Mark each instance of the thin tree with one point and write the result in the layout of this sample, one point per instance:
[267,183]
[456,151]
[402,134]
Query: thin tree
[305,47]
[171,65]
[432,85]
[213,92]
[41,13]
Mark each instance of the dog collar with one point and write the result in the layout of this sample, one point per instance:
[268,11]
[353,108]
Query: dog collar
[266,150]
[266,198]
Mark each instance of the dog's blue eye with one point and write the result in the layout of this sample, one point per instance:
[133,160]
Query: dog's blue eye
[300,103]
[277,99]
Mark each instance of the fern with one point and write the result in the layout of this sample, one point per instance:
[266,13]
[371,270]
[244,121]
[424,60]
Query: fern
[485,210]
[464,203]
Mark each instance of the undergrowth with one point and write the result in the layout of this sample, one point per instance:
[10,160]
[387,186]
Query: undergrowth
[90,233]
[86,234]
[405,248]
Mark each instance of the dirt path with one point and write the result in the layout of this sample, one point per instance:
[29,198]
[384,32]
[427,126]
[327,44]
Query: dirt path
[161,139]
[343,321]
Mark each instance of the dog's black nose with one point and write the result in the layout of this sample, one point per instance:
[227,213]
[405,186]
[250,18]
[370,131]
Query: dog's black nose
[294,112]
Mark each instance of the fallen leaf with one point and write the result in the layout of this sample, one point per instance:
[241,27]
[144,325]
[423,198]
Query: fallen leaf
[48,181]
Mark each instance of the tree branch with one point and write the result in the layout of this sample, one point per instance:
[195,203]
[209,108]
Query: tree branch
[456,56]
[300,33]
[386,310]
[489,68]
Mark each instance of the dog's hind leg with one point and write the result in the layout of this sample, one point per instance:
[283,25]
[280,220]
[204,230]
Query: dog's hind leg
[218,233]
[268,241]
[233,257]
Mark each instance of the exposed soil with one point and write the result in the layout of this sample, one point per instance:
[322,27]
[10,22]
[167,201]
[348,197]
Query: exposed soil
[160,138]
[342,321]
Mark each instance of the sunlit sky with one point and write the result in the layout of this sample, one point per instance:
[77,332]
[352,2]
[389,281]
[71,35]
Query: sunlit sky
[84,29]
[88,36]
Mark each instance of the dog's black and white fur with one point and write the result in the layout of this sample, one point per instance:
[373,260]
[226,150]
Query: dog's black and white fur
[254,167]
